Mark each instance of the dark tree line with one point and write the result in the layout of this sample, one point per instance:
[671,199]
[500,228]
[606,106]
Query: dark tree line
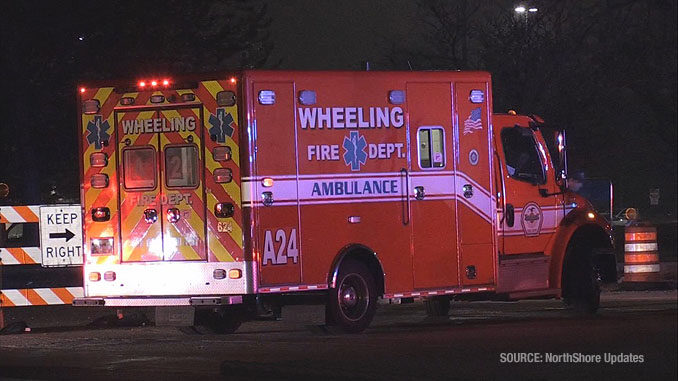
[49,48]
[605,70]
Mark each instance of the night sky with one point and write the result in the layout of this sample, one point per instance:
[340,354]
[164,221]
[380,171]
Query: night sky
[606,71]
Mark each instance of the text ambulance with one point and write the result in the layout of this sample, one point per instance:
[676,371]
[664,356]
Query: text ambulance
[235,193]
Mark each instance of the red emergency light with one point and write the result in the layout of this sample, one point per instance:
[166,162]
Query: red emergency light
[82,90]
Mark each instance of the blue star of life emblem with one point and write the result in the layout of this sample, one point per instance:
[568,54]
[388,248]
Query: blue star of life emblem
[97,132]
[222,125]
[355,154]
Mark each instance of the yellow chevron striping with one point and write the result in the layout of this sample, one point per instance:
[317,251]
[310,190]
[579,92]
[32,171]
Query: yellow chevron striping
[102,94]
[236,233]
[213,87]
[218,249]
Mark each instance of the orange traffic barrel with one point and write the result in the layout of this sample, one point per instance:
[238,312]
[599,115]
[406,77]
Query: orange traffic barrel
[641,256]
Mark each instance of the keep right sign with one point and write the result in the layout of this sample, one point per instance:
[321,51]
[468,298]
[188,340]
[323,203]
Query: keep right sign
[61,235]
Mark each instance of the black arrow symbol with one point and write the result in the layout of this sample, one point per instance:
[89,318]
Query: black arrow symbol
[68,235]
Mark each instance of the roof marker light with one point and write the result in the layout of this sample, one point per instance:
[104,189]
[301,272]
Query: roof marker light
[142,84]
[154,83]
[233,80]
[266,97]
[82,90]
[165,82]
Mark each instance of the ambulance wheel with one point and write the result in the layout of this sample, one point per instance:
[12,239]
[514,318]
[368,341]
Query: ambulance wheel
[581,281]
[219,321]
[352,303]
[437,306]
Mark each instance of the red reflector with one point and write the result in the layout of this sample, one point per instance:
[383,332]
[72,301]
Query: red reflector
[173,215]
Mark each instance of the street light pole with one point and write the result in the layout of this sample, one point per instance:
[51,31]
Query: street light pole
[524,11]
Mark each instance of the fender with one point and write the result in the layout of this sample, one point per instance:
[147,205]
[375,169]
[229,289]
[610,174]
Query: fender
[577,220]
[358,250]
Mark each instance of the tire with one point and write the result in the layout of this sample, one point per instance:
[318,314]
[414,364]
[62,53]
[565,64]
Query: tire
[351,305]
[437,306]
[219,321]
[582,287]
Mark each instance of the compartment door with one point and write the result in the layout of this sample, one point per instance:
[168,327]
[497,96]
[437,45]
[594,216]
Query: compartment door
[475,209]
[276,203]
[139,188]
[433,209]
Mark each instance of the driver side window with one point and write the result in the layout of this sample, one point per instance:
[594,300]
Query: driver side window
[522,157]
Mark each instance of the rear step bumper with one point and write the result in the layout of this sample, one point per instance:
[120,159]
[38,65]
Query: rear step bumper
[150,302]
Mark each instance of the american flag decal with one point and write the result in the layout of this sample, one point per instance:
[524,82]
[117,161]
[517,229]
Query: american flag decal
[473,122]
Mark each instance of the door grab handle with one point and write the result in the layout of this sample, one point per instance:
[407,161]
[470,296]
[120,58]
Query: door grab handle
[419,193]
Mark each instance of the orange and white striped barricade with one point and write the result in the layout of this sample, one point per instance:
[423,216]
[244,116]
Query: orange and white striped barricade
[24,280]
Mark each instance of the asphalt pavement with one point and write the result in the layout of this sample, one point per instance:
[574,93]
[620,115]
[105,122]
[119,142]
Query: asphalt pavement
[632,337]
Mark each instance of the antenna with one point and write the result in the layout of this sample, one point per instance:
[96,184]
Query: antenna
[367,65]
[409,65]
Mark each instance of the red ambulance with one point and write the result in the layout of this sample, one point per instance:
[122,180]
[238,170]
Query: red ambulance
[242,192]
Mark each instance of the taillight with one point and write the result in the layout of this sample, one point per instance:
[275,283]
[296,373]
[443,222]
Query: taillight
[101,214]
[94,277]
[102,246]
[221,153]
[99,180]
[224,210]
[98,159]
[223,175]
[109,276]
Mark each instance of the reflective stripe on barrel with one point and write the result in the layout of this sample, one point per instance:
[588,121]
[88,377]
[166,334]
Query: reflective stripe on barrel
[641,258]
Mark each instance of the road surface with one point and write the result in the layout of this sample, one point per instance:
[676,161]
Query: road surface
[480,340]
